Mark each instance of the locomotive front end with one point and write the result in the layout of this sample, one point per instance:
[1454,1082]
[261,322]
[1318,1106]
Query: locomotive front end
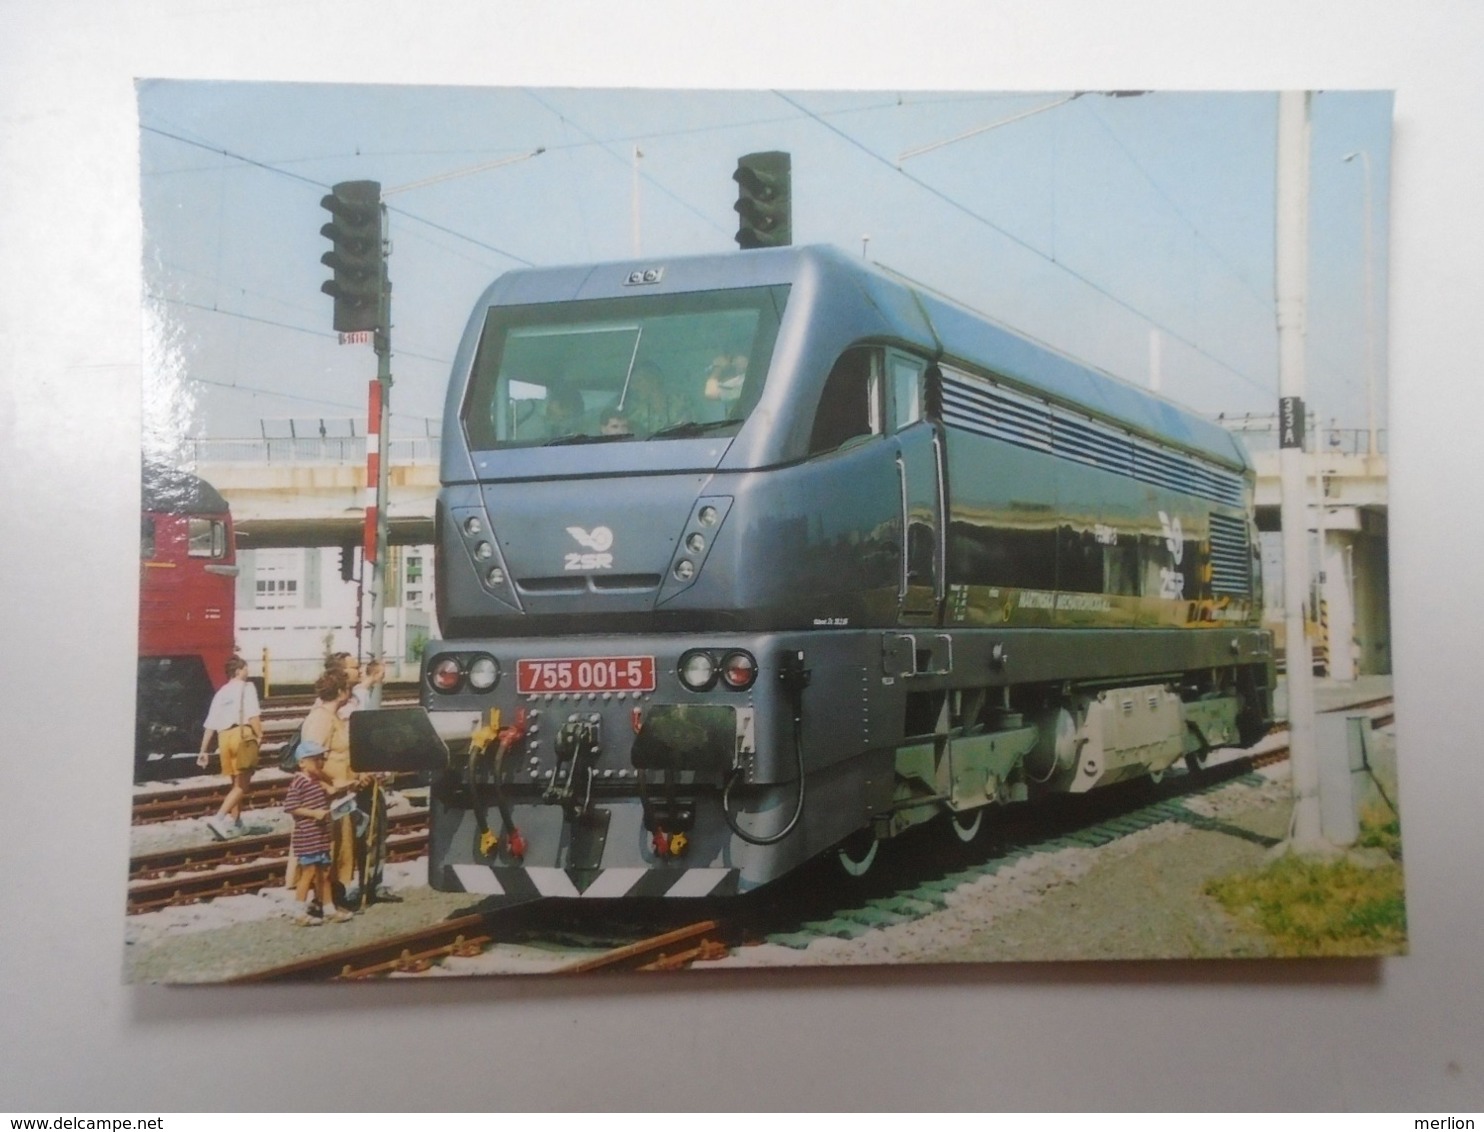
[663,769]
[634,704]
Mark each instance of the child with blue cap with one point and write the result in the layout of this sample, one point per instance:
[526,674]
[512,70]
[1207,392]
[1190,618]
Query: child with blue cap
[308,803]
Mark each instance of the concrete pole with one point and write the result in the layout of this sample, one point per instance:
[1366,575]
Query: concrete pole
[378,434]
[1292,292]
[1321,542]
[1370,308]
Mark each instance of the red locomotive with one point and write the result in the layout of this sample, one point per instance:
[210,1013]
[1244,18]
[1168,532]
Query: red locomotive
[187,594]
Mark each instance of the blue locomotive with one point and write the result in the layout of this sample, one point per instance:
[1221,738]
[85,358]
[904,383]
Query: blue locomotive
[750,557]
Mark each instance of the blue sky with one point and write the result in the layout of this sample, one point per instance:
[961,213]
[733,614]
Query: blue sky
[1085,222]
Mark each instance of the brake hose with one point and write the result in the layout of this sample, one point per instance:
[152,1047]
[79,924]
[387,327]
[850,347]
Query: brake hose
[794,680]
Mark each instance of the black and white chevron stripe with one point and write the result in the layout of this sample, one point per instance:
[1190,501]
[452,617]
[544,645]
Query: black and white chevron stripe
[594,884]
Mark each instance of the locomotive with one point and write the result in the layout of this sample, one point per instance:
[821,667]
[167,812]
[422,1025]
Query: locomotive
[752,557]
[187,596]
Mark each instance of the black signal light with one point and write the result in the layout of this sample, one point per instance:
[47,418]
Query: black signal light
[356,256]
[764,200]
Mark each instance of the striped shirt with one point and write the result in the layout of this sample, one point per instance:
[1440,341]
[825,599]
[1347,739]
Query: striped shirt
[310,835]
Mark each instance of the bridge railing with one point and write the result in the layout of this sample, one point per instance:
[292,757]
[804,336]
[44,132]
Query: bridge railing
[1260,434]
[307,450]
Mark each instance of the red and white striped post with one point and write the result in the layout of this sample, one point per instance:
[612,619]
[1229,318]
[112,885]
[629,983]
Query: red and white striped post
[373,475]
[378,415]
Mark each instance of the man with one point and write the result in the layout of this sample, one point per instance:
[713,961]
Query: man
[725,377]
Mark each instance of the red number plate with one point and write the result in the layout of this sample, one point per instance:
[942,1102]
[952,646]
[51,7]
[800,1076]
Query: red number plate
[585,674]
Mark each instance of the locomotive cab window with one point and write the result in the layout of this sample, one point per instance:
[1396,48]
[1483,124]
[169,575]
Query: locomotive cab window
[906,389]
[647,367]
[850,404]
[207,538]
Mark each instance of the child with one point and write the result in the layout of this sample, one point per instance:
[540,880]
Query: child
[308,803]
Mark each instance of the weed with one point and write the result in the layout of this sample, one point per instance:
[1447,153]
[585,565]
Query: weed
[1311,907]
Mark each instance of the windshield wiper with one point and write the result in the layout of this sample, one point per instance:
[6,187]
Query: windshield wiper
[694,428]
[586,438]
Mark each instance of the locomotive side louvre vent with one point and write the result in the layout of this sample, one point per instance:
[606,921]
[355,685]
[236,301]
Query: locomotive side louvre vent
[1089,442]
[990,410]
[995,411]
[1231,557]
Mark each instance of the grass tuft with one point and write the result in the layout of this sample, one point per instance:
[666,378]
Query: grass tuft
[1326,908]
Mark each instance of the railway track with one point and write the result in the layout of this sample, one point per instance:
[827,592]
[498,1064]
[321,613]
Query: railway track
[793,920]
[416,952]
[406,953]
[250,864]
[201,801]
[668,951]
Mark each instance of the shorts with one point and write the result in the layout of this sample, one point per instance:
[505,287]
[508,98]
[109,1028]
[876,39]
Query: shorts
[239,756]
[309,860]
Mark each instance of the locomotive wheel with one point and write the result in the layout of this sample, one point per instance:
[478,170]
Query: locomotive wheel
[967,827]
[857,853]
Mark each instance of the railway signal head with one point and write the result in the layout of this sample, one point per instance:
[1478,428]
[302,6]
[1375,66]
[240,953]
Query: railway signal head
[764,200]
[356,254]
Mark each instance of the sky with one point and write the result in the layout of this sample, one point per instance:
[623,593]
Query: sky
[1095,224]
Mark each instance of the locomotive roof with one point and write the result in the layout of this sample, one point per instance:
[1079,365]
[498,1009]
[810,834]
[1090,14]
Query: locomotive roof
[916,314]
[174,492]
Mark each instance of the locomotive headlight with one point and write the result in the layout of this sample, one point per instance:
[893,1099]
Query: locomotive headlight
[496,576]
[697,670]
[446,674]
[685,569]
[484,551]
[473,526]
[695,544]
[707,516]
[484,673]
[738,670]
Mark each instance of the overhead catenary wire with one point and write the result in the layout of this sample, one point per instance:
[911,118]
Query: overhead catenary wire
[208,147]
[625,160]
[1026,245]
[328,334]
[1264,300]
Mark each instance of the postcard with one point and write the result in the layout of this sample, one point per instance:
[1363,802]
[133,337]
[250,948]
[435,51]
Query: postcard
[635,529]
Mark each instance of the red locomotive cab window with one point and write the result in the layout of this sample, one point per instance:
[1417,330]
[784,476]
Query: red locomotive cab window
[147,537]
[207,538]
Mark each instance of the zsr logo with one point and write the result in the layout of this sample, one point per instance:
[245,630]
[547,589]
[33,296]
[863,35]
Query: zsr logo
[1172,582]
[598,540]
